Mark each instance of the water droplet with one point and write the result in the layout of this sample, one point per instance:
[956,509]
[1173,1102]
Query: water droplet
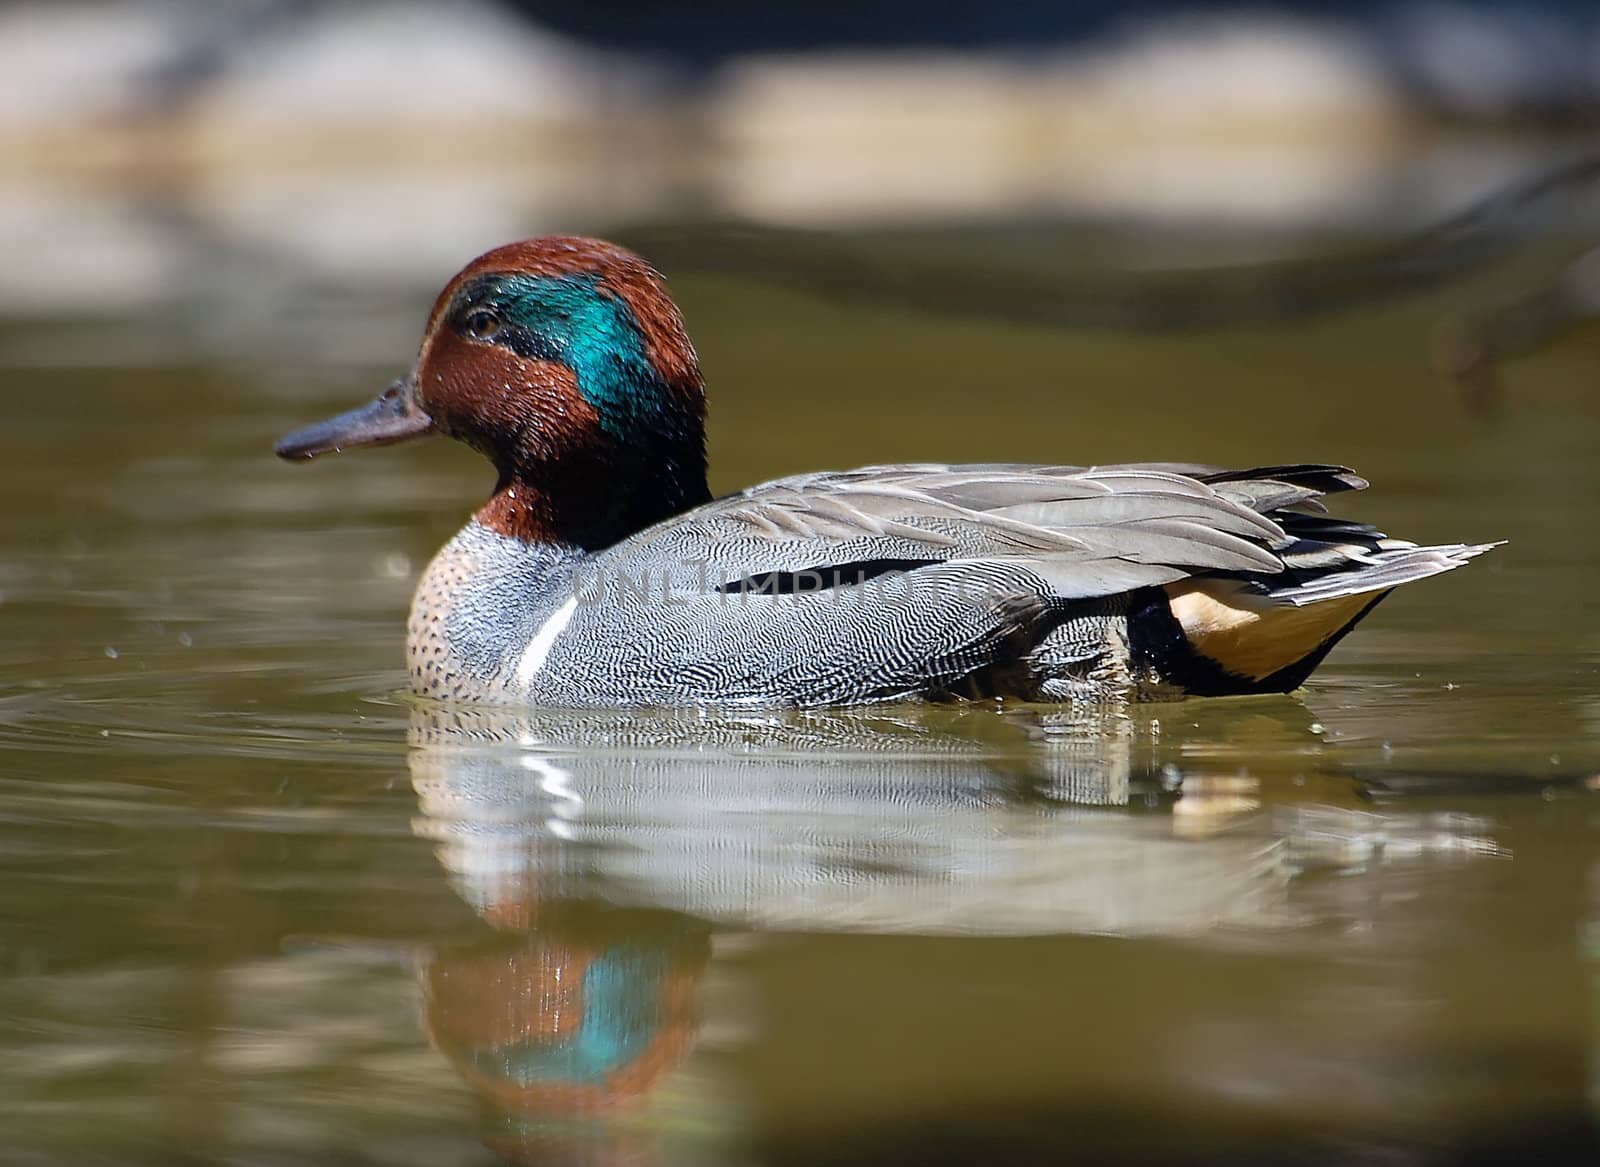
[185,639]
[395,565]
[111,652]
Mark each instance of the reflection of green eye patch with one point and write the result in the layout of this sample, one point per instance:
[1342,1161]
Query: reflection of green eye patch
[621,1014]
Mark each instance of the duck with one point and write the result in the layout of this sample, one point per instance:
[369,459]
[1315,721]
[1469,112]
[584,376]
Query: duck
[601,571]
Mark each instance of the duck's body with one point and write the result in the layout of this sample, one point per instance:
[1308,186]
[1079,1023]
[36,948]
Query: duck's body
[904,582]
[600,574]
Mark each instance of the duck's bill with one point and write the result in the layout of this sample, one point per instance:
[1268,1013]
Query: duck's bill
[393,417]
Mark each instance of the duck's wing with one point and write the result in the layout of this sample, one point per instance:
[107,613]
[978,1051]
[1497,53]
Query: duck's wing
[1085,532]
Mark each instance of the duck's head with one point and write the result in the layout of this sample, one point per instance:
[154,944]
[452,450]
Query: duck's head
[564,362]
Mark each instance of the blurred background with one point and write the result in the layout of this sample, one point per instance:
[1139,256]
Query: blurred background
[256,906]
[252,155]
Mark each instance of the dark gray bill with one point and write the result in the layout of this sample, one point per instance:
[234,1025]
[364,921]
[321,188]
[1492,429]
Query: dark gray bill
[393,417]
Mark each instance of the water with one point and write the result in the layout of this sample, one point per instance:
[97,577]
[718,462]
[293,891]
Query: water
[256,906]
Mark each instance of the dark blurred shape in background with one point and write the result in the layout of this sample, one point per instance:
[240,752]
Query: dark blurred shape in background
[1468,57]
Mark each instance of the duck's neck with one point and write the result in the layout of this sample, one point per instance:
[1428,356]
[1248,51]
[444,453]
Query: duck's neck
[594,498]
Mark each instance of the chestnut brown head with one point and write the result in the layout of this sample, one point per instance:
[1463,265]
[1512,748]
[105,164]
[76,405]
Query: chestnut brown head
[564,361]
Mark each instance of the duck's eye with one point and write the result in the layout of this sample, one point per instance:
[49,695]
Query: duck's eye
[482,324]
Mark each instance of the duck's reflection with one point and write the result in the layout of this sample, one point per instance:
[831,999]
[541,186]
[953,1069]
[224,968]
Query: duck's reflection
[971,821]
[604,851]
[567,1024]
[583,1015]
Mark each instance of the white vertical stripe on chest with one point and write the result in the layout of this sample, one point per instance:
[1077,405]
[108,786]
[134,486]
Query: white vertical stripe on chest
[534,656]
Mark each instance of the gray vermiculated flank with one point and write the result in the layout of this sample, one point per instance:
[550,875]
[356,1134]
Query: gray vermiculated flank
[1023,589]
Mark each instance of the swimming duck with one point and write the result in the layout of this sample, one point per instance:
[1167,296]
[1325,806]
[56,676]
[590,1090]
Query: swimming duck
[601,572]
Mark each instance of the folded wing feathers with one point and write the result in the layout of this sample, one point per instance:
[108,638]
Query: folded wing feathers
[1083,579]
[1188,544]
[1088,531]
[1319,478]
[1222,514]
[1385,569]
[1263,496]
